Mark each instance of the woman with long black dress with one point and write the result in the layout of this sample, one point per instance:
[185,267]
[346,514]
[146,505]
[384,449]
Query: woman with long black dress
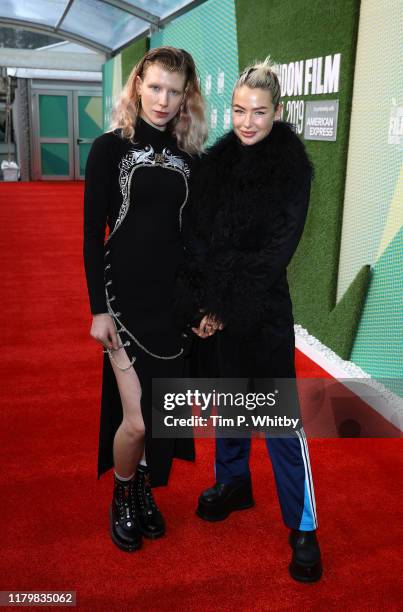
[136,186]
[249,204]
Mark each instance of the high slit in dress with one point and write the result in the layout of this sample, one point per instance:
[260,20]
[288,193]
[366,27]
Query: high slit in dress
[139,191]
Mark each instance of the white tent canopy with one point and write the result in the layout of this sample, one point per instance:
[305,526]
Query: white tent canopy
[103,25]
[51,59]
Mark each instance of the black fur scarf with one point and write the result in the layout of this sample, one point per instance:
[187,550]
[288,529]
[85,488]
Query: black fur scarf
[244,221]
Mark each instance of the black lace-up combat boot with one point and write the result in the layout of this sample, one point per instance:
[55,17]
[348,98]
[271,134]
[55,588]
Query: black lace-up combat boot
[149,518]
[124,530]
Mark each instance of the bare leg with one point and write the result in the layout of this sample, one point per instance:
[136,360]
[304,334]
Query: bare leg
[128,446]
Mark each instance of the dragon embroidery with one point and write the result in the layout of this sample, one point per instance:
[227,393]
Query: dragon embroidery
[141,158]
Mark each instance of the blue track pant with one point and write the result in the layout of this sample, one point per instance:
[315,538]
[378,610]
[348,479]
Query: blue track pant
[292,472]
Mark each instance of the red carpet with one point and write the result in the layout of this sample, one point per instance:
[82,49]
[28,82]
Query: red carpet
[54,512]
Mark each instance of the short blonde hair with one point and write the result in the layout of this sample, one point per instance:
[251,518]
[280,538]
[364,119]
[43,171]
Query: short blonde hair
[189,126]
[261,75]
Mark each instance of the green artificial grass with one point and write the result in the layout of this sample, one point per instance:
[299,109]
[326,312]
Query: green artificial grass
[340,327]
[131,55]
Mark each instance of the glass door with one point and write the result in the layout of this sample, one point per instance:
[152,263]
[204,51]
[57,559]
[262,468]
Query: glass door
[88,125]
[55,128]
[65,123]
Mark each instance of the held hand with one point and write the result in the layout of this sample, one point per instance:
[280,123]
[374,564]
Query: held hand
[103,330]
[208,326]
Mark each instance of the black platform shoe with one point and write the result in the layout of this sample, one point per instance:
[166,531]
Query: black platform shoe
[123,524]
[149,518]
[216,503]
[306,564]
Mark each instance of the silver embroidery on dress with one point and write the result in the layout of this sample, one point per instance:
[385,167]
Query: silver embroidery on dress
[140,158]
[135,159]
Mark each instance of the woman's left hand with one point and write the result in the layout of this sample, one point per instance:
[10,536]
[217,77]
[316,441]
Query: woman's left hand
[208,326]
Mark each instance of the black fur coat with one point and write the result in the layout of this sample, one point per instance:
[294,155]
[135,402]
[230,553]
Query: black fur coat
[245,218]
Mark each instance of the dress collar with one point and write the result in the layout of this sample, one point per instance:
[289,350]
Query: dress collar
[152,135]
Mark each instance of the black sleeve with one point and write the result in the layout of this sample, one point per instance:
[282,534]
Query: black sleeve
[96,209]
[190,281]
[239,283]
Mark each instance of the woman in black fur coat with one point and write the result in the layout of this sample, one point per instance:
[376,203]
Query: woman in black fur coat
[249,205]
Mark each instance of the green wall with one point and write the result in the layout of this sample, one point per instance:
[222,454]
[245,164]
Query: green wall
[115,73]
[373,211]
[131,55]
[378,346]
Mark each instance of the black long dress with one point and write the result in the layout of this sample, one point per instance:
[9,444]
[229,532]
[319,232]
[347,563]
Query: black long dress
[139,190]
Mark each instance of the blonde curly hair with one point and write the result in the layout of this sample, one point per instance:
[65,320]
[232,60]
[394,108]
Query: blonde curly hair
[189,126]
